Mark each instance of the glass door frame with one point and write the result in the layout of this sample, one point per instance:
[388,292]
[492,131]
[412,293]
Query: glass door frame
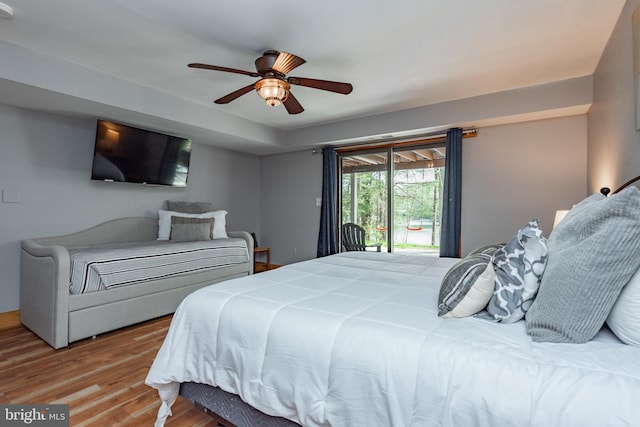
[389,169]
[389,150]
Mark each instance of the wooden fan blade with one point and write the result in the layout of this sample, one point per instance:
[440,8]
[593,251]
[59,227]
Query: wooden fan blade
[287,62]
[226,69]
[292,105]
[233,95]
[337,87]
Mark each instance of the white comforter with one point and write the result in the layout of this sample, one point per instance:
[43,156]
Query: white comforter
[354,340]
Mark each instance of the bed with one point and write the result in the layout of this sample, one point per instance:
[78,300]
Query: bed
[530,332]
[354,339]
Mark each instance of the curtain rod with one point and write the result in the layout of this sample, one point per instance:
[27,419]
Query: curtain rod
[431,139]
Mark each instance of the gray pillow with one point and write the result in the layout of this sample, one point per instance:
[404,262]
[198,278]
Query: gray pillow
[185,229]
[593,253]
[467,287]
[519,266]
[189,207]
[488,249]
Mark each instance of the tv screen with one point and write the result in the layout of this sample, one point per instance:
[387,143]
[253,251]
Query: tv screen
[128,154]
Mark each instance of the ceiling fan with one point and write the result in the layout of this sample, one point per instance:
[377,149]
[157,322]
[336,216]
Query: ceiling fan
[274,86]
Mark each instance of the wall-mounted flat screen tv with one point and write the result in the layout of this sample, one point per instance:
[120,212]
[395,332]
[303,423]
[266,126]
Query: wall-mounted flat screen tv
[128,154]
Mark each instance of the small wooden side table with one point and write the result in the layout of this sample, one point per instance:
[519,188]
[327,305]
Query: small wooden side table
[261,266]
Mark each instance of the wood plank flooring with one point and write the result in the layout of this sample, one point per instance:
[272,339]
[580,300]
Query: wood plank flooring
[9,319]
[102,379]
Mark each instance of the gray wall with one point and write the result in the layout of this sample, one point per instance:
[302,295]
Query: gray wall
[613,142]
[512,173]
[46,161]
[290,184]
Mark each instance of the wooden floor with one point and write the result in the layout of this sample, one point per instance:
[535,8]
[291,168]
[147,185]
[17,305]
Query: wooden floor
[102,379]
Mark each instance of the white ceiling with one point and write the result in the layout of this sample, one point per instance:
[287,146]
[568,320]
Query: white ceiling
[398,54]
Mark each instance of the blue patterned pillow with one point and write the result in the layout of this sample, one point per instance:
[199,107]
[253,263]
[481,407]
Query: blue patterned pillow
[519,266]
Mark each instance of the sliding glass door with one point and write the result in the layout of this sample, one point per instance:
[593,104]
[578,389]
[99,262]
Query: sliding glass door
[402,212]
[417,199]
[364,196]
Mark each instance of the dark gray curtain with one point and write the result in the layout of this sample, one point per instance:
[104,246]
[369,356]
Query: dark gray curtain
[328,235]
[452,194]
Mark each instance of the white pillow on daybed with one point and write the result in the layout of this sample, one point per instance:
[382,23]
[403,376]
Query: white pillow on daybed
[219,222]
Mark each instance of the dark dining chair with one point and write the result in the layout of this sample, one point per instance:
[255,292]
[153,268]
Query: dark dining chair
[353,238]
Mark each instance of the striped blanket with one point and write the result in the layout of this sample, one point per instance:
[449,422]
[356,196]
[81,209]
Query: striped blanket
[94,268]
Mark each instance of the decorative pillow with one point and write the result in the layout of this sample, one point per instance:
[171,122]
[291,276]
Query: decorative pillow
[593,252]
[488,249]
[191,229]
[191,232]
[624,318]
[190,207]
[467,287]
[219,224]
[519,266]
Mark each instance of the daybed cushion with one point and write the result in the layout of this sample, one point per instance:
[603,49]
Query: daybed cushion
[467,287]
[593,252]
[519,266]
[219,224]
[94,268]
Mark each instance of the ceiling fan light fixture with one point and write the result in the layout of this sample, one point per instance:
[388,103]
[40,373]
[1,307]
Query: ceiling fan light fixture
[272,90]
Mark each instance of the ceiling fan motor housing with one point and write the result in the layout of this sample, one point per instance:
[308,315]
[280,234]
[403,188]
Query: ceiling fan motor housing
[265,63]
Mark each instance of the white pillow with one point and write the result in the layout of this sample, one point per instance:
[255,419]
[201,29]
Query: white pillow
[477,296]
[219,222]
[624,318]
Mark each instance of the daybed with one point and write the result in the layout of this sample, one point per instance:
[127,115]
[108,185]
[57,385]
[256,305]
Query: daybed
[361,338]
[58,317]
